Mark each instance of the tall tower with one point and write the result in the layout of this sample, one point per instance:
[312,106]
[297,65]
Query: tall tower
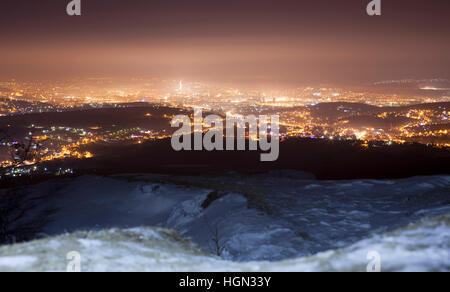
[181,86]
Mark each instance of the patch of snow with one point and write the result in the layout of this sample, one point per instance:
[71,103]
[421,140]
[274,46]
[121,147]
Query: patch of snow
[257,218]
[423,246]
[89,243]
[21,262]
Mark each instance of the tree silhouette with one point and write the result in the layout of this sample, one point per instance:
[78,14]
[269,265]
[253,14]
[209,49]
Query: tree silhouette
[20,219]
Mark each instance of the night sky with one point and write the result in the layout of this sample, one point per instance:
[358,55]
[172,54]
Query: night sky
[243,42]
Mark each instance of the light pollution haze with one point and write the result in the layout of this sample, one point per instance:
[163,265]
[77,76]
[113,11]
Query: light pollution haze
[241,42]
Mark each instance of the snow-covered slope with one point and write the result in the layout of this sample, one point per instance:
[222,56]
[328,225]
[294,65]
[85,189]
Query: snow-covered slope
[423,246]
[270,217]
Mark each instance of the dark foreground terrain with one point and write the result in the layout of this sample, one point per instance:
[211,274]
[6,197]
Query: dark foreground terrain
[324,159]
